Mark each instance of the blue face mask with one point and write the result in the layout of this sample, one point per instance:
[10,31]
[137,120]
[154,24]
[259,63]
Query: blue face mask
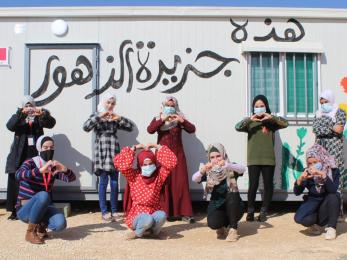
[327,107]
[169,110]
[318,166]
[148,170]
[259,110]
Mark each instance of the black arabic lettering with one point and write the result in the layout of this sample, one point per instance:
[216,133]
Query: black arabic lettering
[289,33]
[143,68]
[59,78]
[204,54]
[239,28]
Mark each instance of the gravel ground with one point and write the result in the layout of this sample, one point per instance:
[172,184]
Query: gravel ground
[87,237]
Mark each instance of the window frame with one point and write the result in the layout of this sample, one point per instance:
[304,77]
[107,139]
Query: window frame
[282,74]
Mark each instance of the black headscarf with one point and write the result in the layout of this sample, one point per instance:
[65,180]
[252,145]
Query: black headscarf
[264,99]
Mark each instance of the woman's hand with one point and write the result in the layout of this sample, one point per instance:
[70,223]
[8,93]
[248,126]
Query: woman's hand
[164,117]
[255,118]
[177,118]
[304,176]
[138,146]
[104,114]
[266,116]
[115,117]
[221,163]
[58,167]
[206,168]
[45,168]
[152,145]
[338,129]
[38,111]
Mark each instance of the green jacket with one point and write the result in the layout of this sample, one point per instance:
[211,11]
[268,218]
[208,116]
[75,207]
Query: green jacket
[260,145]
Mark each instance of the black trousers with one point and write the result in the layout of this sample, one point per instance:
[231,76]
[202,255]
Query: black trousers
[12,192]
[319,211]
[228,214]
[267,171]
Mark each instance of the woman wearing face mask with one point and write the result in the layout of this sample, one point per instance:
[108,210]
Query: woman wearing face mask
[27,124]
[321,206]
[175,198]
[225,208]
[261,128]
[36,177]
[328,127]
[105,123]
[145,215]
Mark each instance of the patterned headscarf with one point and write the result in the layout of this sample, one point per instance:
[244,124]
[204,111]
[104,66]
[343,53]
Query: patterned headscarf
[328,162]
[27,99]
[217,174]
[168,125]
[328,95]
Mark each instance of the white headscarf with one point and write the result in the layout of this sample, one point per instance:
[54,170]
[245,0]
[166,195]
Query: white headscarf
[107,96]
[37,159]
[168,125]
[27,99]
[328,95]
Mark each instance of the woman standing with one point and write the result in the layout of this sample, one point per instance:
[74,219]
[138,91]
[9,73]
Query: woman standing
[105,123]
[321,179]
[175,198]
[225,208]
[328,127]
[27,124]
[261,128]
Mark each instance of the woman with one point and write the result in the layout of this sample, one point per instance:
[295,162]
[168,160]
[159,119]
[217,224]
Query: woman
[321,179]
[328,127]
[175,198]
[27,125]
[105,123]
[261,128]
[36,177]
[226,207]
[145,213]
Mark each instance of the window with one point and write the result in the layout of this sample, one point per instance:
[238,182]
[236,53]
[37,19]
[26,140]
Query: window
[288,80]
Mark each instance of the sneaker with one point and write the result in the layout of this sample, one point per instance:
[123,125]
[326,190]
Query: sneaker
[250,217]
[107,217]
[315,230]
[330,233]
[189,220]
[262,217]
[13,216]
[222,232]
[232,236]
[130,235]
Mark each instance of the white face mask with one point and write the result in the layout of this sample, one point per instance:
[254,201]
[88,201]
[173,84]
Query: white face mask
[327,107]
[147,170]
[259,110]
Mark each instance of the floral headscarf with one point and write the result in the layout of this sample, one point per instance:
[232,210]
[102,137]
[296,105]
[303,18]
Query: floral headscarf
[328,95]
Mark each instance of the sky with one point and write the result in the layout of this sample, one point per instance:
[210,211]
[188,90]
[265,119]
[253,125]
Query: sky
[231,3]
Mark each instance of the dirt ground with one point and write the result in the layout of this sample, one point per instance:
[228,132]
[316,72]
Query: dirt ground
[87,237]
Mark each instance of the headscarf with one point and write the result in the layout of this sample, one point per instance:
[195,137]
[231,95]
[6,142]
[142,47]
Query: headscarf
[328,162]
[217,174]
[27,99]
[39,143]
[328,95]
[141,157]
[265,101]
[107,96]
[168,125]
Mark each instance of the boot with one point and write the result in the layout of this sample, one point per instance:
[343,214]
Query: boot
[42,230]
[31,235]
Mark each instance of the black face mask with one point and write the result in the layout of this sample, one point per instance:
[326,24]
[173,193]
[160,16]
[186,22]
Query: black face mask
[47,155]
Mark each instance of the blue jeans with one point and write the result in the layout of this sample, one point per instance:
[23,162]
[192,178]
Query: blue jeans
[103,178]
[40,209]
[153,222]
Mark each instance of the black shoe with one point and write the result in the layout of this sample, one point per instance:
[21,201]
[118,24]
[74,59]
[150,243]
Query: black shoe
[172,219]
[250,217]
[262,217]
[13,216]
[189,220]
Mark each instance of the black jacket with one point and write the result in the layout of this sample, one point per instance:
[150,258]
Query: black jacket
[21,129]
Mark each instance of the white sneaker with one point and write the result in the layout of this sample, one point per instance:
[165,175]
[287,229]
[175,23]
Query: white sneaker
[222,232]
[330,233]
[315,230]
[232,236]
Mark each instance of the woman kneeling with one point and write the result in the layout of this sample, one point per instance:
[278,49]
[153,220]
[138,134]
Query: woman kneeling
[321,208]
[226,207]
[36,177]
[145,214]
